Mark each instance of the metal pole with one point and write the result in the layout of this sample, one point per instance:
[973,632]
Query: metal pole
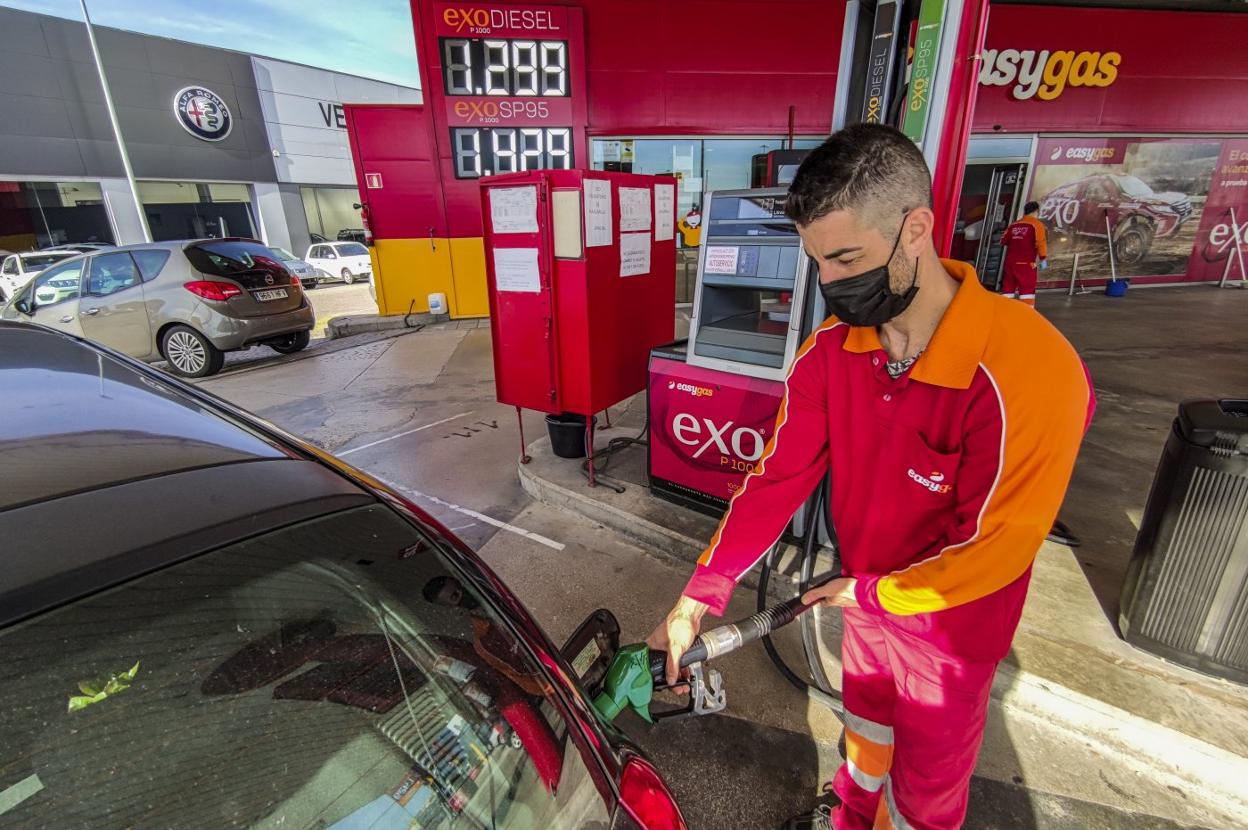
[1109,237]
[1239,250]
[1226,271]
[112,116]
[1074,269]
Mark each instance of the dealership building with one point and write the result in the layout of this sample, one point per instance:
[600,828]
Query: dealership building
[221,142]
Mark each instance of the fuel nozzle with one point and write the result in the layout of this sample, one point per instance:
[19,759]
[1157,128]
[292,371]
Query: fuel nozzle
[637,671]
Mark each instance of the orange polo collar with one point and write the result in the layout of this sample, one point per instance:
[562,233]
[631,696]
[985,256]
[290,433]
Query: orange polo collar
[952,357]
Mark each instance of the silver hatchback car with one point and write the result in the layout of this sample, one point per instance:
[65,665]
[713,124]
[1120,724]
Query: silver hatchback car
[185,302]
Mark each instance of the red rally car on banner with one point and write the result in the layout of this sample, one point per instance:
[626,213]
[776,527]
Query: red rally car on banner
[1137,214]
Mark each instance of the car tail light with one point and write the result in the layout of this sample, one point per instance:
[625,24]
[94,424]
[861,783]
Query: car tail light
[647,799]
[211,290]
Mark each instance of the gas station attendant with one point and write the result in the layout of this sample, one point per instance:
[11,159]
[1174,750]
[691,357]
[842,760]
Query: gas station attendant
[949,419]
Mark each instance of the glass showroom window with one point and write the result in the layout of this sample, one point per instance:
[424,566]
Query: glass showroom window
[333,214]
[39,214]
[197,210]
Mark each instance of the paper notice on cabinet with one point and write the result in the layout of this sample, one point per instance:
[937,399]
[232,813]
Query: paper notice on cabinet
[513,209]
[634,254]
[664,212]
[634,209]
[515,269]
[597,213]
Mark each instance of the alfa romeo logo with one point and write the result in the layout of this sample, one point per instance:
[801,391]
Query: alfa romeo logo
[202,113]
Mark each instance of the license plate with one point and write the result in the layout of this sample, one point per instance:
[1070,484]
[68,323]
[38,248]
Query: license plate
[272,294]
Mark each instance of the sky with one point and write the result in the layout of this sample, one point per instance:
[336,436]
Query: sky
[372,38]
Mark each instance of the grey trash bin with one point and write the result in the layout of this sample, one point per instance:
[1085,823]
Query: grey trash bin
[1186,593]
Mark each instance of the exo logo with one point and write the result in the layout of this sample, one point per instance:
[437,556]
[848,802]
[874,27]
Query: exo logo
[932,481]
[690,431]
[481,21]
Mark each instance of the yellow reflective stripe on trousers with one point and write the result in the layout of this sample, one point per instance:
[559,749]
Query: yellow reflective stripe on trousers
[870,783]
[869,729]
[898,821]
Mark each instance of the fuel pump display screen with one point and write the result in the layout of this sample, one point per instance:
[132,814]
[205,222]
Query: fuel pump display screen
[486,151]
[512,68]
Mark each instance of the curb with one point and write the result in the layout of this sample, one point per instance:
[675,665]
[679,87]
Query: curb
[1167,756]
[367,323]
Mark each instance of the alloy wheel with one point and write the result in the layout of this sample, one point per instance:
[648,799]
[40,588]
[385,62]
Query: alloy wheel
[186,352]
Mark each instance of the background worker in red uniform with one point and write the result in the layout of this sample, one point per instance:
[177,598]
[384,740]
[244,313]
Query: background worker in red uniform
[950,419]
[1025,241]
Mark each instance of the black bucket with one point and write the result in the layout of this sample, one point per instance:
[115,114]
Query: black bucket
[567,434]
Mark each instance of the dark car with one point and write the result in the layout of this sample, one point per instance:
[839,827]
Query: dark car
[205,622]
[1137,214]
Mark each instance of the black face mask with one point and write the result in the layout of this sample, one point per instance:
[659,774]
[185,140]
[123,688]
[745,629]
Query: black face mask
[867,299]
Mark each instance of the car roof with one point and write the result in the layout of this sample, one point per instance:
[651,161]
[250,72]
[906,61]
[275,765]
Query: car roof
[74,418]
[112,469]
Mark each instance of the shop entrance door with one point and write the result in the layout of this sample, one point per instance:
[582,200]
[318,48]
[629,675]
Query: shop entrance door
[991,195]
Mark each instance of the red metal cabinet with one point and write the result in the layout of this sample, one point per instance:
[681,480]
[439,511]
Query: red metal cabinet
[581,270]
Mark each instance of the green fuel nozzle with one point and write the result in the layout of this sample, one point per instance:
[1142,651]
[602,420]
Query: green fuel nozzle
[636,671]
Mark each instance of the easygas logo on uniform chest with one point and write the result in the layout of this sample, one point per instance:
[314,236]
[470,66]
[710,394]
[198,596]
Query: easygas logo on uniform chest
[1047,74]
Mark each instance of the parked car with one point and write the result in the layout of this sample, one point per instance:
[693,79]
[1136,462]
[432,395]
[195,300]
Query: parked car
[347,261]
[352,235]
[307,274]
[81,247]
[184,302]
[19,269]
[1137,214]
[205,622]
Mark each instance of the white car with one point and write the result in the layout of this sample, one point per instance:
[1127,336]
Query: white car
[18,269]
[346,261]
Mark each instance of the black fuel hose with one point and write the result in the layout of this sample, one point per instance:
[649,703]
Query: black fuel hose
[725,639]
[821,690]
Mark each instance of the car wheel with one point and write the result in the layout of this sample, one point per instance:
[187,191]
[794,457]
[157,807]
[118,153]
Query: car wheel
[291,343]
[190,354]
[1132,244]
[347,276]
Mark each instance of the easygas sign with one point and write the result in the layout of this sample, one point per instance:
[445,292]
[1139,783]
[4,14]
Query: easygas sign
[1046,74]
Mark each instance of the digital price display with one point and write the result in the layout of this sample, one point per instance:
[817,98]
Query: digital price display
[520,68]
[511,93]
[485,151]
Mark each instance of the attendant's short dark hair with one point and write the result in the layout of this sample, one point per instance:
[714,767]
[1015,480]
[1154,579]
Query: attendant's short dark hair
[870,169]
[1030,207]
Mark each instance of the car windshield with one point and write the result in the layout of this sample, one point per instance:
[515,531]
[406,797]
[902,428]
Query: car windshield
[37,262]
[337,673]
[352,249]
[1134,187]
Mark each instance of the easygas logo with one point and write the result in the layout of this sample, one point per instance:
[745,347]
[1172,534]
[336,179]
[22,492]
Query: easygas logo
[696,391]
[1087,155]
[1046,75]
[477,21]
[738,447]
[931,481]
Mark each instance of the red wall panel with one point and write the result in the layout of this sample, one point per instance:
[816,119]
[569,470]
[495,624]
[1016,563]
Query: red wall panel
[727,67]
[1180,71]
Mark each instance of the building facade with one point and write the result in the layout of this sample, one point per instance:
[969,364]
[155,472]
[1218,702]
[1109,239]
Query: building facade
[222,143]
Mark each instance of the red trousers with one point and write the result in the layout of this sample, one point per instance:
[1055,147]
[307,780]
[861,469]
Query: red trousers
[1020,281]
[914,719]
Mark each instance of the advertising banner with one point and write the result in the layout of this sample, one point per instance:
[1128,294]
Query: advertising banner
[1225,216]
[1148,193]
[708,429]
[922,69]
[880,62]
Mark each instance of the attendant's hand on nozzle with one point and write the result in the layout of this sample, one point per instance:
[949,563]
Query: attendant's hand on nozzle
[676,634]
[837,592]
